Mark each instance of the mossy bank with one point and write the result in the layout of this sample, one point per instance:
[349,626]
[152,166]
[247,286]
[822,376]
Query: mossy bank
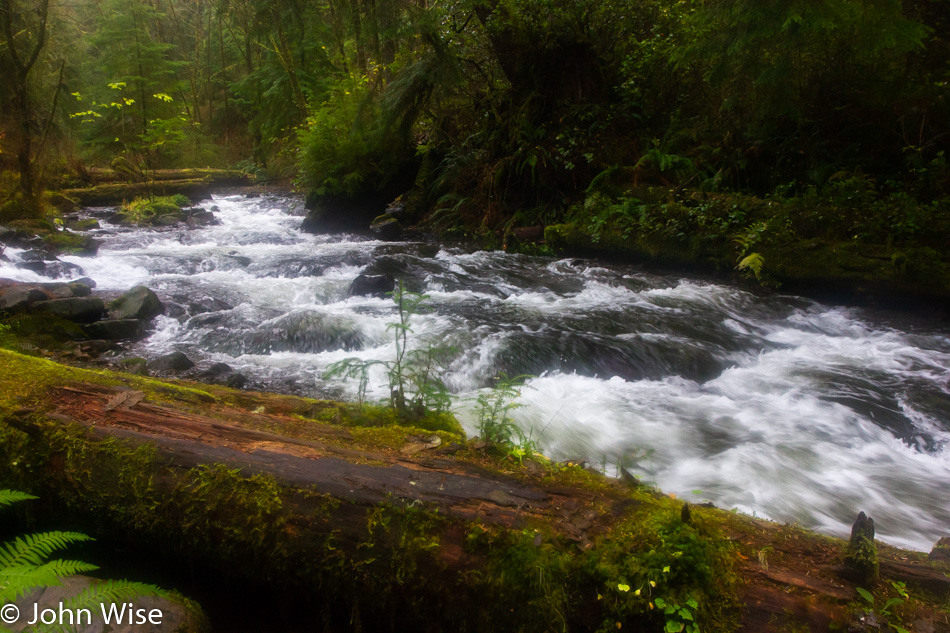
[338,511]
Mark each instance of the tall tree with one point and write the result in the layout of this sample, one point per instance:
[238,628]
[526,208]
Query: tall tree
[24,36]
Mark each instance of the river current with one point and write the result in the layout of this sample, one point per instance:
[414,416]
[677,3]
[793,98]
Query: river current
[779,406]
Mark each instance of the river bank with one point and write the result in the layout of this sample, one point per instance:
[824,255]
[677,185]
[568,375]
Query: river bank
[515,546]
[714,393]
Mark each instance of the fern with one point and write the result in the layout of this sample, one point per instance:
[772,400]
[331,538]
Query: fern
[753,263]
[24,566]
[35,548]
[9,497]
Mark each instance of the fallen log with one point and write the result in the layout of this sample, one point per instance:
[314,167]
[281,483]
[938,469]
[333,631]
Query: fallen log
[115,193]
[318,503]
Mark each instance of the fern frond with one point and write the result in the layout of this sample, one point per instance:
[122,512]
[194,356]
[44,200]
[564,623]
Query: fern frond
[34,549]
[9,497]
[112,591]
[19,579]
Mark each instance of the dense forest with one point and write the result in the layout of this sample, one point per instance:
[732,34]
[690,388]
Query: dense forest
[180,393]
[495,114]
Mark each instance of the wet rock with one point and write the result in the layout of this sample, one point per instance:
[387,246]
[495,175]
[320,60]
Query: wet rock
[61,291]
[135,365]
[18,238]
[396,207]
[137,303]
[36,255]
[217,370]
[76,309]
[85,281]
[119,219]
[236,381]
[174,362]
[84,224]
[306,332]
[58,270]
[241,260]
[79,289]
[200,217]
[218,373]
[37,267]
[115,330]
[386,227]
[169,219]
[372,285]
[175,310]
[316,221]
[208,304]
[941,551]
[19,298]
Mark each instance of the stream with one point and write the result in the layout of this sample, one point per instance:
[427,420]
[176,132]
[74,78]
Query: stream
[779,406]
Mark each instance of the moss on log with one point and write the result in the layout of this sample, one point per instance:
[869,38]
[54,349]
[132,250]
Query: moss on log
[338,507]
[193,187]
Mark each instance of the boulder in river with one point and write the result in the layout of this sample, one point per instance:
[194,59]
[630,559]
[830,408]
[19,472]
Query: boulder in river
[215,372]
[137,303]
[372,285]
[114,329]
[76,309]
[200,217]
[386,227]
[18,298]
[174,362]
[236,381]
[316,221]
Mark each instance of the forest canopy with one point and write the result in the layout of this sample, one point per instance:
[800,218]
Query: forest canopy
[490,111]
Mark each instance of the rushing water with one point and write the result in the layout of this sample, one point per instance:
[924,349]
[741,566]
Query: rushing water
[779,406]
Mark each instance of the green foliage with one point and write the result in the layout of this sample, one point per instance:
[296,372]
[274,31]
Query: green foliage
[414,375]
[887,609]
[493,408]
[25,566]
[149,210]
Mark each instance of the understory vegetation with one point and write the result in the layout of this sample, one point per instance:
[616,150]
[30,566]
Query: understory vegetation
[746,123]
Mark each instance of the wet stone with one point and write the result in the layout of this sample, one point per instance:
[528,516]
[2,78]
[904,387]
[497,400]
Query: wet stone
[174,362]
[77,309]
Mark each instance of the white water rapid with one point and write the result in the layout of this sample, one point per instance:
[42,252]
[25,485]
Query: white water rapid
[778,406]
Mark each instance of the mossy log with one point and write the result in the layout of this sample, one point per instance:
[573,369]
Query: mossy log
[115,193]
[101,175]
[367,523]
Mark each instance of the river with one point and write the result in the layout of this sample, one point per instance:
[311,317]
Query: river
[779,406]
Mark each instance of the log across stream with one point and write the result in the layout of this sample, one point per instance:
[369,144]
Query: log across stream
[290,514]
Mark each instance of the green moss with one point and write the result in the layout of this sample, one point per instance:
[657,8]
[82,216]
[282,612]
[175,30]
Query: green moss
[150,210]
[389,560]
[70,243]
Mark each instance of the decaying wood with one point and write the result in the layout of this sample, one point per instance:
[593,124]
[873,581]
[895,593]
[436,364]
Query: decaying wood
[458,489]
[802,579]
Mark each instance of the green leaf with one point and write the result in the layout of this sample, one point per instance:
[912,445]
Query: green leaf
[866,595]
[885,610]
[9,497]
